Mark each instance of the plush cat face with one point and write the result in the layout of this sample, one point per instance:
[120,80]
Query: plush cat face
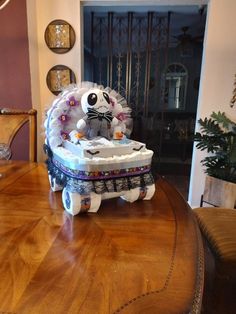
[96,99]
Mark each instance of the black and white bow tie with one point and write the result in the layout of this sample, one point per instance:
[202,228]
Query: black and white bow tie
[94,114]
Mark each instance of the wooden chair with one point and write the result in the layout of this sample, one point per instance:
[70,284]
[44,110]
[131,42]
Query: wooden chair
[218,228]
[219,193]
[12,120]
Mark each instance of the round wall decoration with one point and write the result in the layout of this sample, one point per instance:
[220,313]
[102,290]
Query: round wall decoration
[59,77]
[59,36]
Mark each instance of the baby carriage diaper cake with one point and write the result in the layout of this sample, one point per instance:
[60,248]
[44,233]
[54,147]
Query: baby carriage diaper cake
[90,155]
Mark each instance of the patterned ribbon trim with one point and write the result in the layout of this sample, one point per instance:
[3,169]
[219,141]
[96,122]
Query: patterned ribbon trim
[99,175]
[85,187]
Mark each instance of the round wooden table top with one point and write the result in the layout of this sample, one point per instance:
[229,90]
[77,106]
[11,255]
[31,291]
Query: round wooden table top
[142,257]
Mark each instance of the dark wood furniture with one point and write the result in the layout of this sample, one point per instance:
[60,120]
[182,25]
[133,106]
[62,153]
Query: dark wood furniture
[144,257]
[218,227]
[12,120]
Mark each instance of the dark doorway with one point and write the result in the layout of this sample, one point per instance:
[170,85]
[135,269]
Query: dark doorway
[153,58]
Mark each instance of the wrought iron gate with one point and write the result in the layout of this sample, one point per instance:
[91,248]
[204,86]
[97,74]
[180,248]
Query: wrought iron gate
[132,53]
[127,50]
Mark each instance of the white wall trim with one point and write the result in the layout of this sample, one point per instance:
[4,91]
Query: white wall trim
[31,7]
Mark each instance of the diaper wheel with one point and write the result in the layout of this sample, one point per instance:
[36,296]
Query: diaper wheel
[144,193]
[131,195]
[74,203]
[54,186]
[150,190]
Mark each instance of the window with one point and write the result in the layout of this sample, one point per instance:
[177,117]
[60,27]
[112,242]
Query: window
[176,77]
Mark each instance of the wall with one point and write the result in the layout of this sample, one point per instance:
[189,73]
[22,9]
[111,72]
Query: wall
[15,89]
[42,59]
[217,77]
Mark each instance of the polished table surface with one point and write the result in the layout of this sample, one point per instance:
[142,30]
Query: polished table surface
[144,257]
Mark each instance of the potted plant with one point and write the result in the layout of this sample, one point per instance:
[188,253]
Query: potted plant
[218,137]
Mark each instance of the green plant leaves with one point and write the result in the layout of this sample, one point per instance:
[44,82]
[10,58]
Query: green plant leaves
[232,152]
[218,137]
[210,127]
[221,118]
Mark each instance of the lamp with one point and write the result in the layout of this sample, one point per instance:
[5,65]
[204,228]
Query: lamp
[3,3]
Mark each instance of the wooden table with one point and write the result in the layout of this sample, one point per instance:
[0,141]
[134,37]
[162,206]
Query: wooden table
[144,257]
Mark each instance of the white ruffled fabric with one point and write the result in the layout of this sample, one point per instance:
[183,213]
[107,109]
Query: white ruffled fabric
[57,130]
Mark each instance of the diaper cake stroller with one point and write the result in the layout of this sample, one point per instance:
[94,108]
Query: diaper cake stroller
[90,155]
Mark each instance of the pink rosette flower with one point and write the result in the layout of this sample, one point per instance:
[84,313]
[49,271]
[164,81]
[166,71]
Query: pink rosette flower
[64,118]
[121,116]
[72,102]
[65,135]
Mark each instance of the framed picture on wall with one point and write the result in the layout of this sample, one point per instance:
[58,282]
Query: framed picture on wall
[59,36]
[59,77]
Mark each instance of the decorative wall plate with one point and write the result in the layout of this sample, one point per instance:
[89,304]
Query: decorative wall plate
[59,36]
[59,77]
